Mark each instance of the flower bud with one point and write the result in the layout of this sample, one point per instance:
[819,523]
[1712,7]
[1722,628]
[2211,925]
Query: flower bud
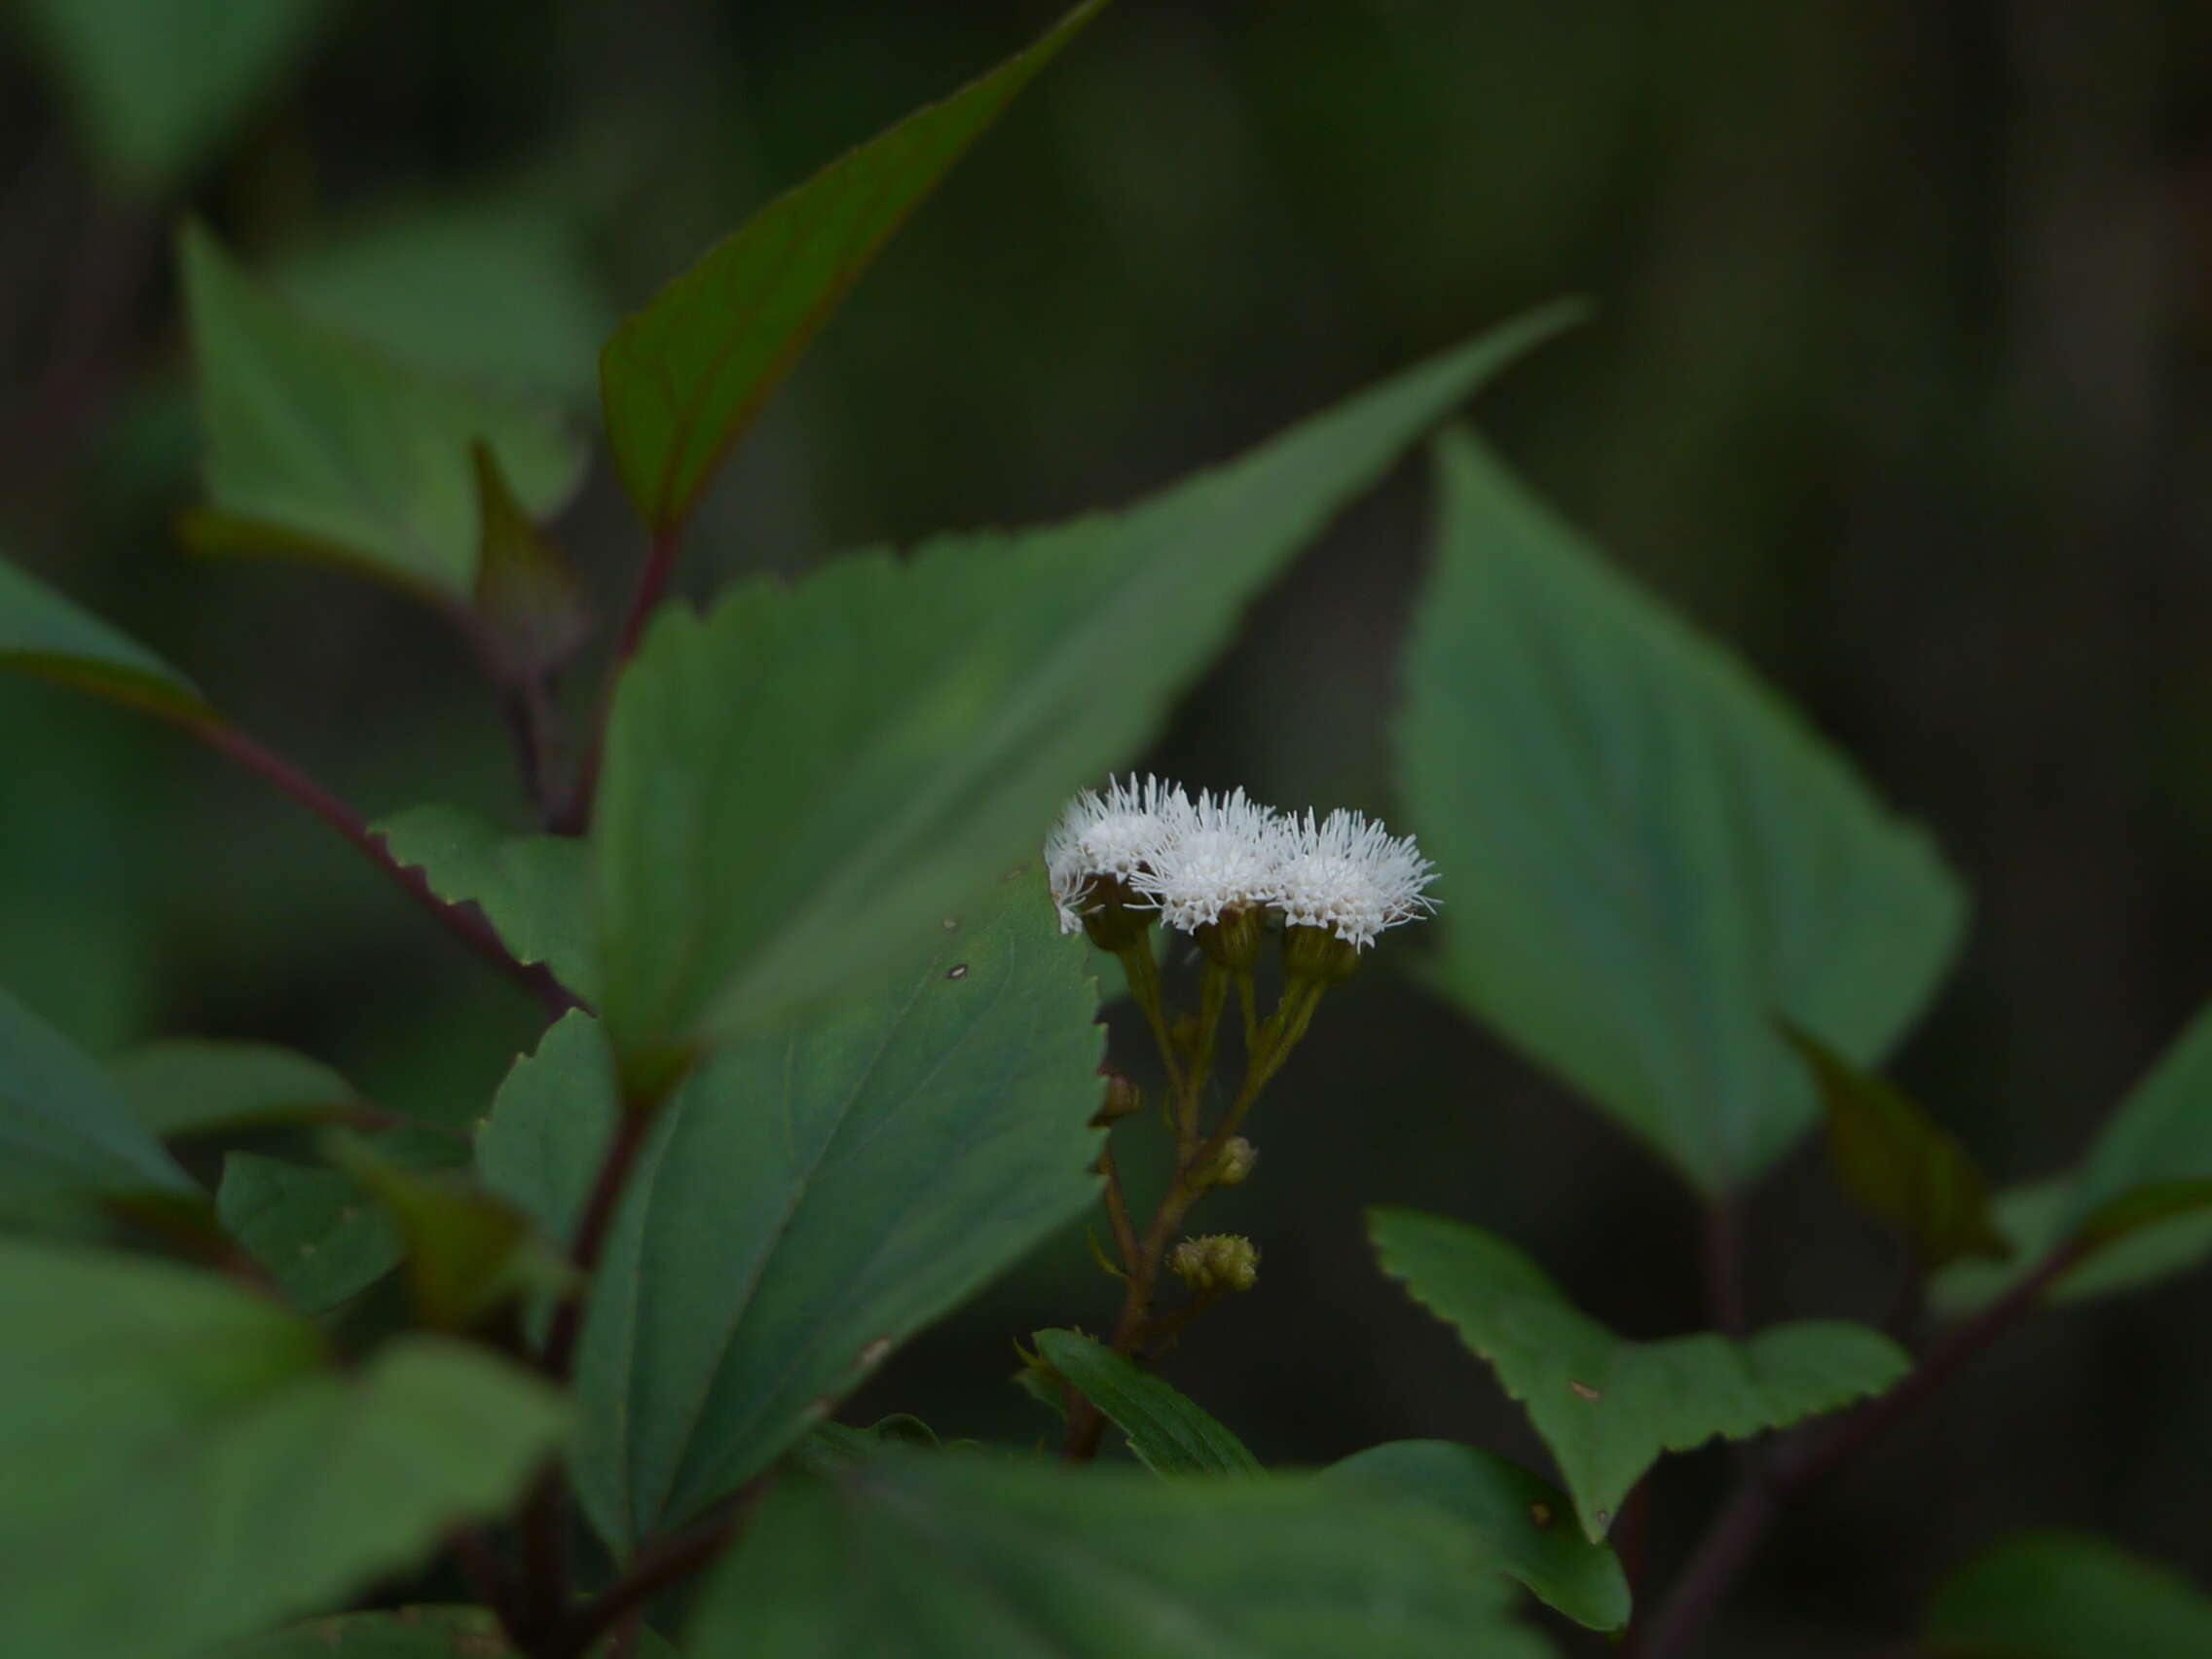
[1123,1098]
[1216,1262]
[1110,921]
[1316,953]
[1231,1165]
[1234,940]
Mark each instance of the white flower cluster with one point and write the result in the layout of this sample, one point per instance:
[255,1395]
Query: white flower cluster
[1194,860]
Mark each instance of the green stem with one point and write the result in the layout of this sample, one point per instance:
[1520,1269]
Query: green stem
[1143,974]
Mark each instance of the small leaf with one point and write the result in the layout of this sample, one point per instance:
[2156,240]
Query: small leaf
[1169,1435]
[47,635]
[2067,1595]
[1523,1519]
[534,889]
[65,1130]
[185,1467]
[685,376]
[529,598]
[463,1244]
[810,1199]
[154,88]
[318,1236]
[1646,855]
[1897,1165]
[946,1558]
[811,777]
[194,1085]
[322,448]
[1606,1406]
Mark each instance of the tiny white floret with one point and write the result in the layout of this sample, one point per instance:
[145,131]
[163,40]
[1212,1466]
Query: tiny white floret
[1351,876]
[1116,834]
[1218,853]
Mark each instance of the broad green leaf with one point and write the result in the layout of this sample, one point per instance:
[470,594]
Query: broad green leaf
[685,376]
[185,1466]
[808,777]
[408,1632]
[1169,1435]
[155,84]
[489,285]
[321,1238]
[65,1130]
[2067,1595]
[1646,855]
[1607,1406]
[946,1558]
[1899,1165]
[43,634]
[195,1085]
[811,1198]
[1521,1517]
[534,889]
[320,447]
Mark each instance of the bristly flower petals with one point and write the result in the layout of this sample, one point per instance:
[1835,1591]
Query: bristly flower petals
[1351,876]
[1114,835]
[1219,853]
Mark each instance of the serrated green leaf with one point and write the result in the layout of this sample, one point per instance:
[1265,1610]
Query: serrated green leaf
[410,1633]
[811,776]
[47,635]
[534,889]
[2067,1595]
[812,1197]
[153,86]
[1607,1406]
[65,1130]
[195,1085]
[1522,1518]
[1645,856]
[945,1557]
[1899,1165]
[323,448]
[1169,1434]
[185,1467]
[685,376]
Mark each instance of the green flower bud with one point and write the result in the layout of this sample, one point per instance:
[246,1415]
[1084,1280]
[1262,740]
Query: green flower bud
[1216,1262]
[1123,1098]
[1316,953]
[1110,921]
[1231,1165]
[1234,940]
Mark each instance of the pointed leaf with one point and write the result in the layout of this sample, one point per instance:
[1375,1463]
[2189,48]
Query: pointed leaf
[529,598]
[948,1557]
[65,1130]
[195,1085]
[1167,1432]
[1606,1406]
[811,1198]
[320,447]
[1646,855]
[47,635]
[685,376]
[2032,1219]
[1523,1519]
[1897,1165]
[2067,1595]
[810,776]
[154,88]
[317,1234]
[534,889]
[185,1467]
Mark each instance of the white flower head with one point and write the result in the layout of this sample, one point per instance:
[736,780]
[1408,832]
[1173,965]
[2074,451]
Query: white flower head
[1116,834]
[1352,877]
[1217,853]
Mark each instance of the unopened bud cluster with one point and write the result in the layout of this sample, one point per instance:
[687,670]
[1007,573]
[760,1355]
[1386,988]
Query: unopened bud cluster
[1216,1262]
[1220,866]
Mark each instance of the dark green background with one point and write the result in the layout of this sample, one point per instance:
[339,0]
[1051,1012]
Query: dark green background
[1899,381]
